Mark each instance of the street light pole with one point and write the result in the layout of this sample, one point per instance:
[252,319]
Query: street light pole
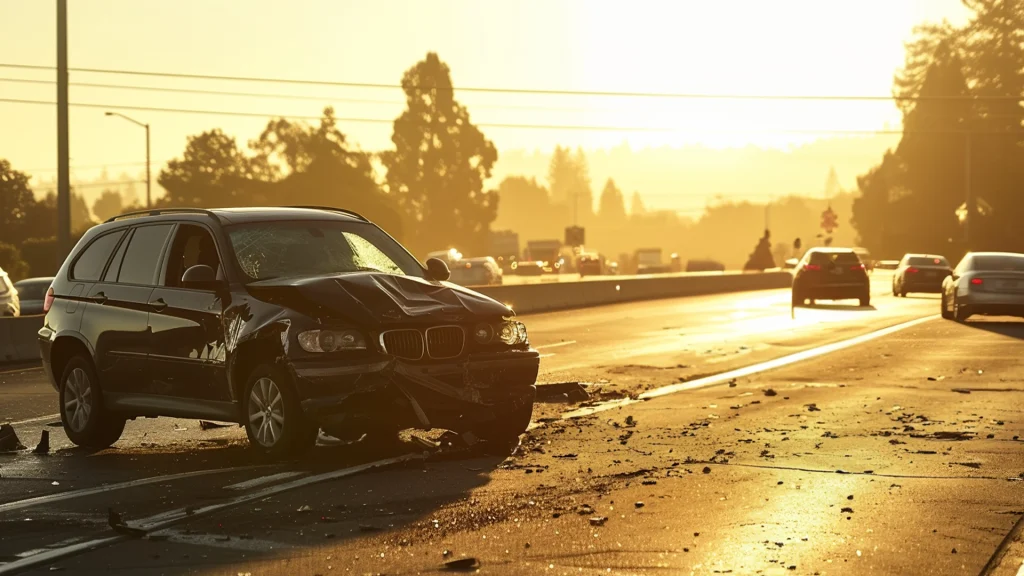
[149,180]
[63,147]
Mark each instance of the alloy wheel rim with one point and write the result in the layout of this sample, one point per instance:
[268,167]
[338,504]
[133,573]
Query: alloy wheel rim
[77,400]
[266,412]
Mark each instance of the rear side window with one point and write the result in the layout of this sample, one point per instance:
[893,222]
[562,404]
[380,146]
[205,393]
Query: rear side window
[90,263]
[998,263]
[821,258]
[142,257]
[115,264]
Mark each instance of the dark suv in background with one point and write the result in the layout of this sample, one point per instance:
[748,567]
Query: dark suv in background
[284,320]
[831,274]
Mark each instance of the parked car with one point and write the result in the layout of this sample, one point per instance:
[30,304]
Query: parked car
[9,301]
[476,272]
[830,274]
[32,292]
[920,273]
[986,283]
[284,320]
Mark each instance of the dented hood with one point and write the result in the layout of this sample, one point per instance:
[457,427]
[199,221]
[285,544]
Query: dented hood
[370,298]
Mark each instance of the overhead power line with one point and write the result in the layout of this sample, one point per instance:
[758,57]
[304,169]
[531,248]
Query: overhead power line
[500,90]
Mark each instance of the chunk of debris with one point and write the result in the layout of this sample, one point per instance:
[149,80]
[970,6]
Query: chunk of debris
[207,425]
[812,407]
[598,520]
[9,441]
[44,443]
[707,470]
[962,390]
[732,383]
[630,421]
[846,510]
[117,523]
[562,392]
[974,465]
[304,508]
[638,505]
[369,528]
[468,563]
[649,482]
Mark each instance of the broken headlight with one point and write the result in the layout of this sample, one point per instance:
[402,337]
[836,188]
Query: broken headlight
[331,340]
[512,333]
[483,333]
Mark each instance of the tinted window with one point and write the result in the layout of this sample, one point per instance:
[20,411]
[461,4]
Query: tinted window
[837,257]
[143,255]
[925,261]
[998,263]
[90,263]
[115,264]
[32,289]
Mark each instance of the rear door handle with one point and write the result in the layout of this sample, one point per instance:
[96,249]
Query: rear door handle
[99,298]
[158,304]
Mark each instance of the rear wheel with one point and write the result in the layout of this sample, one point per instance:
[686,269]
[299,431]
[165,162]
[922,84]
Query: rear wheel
[960,312]
[274,420]
[946,314]
[86,422]
[865,299]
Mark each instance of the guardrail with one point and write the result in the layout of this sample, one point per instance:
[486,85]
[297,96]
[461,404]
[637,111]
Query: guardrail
[544,297]
[18,336]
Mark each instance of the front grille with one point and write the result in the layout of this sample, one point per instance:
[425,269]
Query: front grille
[406,344]
[445,341]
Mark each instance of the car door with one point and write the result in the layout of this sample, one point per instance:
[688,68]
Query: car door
[116,312]
[188,355]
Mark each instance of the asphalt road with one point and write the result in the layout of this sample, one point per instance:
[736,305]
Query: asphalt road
[724,435]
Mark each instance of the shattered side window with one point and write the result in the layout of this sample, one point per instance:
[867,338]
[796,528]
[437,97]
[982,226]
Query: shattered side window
[308,248]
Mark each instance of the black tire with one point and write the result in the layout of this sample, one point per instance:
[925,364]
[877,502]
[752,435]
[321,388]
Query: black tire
[960,312]
[82,414]
[505,429]
[283,431]
[946,314]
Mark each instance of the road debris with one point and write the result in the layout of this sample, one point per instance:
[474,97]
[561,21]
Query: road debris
[707,470]
[598,520]
[638,505]
[846,510]
[207,425]
[9,441]
[117,523]
[562,392]
[44,443]
[468,563]
[770,392]
[304,508]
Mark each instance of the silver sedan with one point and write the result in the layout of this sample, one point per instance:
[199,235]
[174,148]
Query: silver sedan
[986,283]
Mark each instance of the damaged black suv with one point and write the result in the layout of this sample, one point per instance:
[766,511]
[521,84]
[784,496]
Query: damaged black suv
[284,320]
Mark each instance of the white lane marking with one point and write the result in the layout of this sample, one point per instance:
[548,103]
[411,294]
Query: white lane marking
[253,483]
[555,345]
[50,498]
[750,370]
[167,519]
[1020,571]
[216,541]
[549,355]
[36,419]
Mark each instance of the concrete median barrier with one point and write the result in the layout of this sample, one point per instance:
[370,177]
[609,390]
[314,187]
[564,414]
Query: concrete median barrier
[529,298]
[19,339]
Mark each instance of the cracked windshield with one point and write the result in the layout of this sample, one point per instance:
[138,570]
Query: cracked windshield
[566,287]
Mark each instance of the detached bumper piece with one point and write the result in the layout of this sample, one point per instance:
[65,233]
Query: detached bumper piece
[393,394]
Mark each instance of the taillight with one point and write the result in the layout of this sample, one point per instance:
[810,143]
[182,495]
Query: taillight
[48,300]
[977,281]
[812,267]
[911,270]
[857,267]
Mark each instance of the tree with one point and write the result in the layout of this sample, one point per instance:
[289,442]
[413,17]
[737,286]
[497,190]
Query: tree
[561,176]
[212,172]
[11,261]
[872,215]
[581,192]
[636,205]
[109,204]
[612,206]
[16,200]
[439,164]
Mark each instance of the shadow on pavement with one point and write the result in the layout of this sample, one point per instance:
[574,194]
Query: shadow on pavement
[1010,328]
[838,307]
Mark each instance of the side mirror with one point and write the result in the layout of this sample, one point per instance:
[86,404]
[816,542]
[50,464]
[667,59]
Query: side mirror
[199,277]
[437,269]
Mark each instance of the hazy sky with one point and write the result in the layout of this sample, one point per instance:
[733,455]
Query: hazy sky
[682,46]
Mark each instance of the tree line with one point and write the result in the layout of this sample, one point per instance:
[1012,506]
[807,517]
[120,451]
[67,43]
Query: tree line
[960,92]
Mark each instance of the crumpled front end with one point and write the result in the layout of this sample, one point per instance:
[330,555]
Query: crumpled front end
[387,393]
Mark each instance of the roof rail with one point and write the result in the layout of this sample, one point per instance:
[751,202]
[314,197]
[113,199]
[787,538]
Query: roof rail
[159,211]
[333,209]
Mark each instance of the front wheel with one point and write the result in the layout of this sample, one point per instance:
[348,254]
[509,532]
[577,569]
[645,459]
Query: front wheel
[274,420]
[505,429]
[86,422]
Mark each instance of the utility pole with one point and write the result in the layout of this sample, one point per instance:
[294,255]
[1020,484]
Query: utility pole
[63,149]
[969,204]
